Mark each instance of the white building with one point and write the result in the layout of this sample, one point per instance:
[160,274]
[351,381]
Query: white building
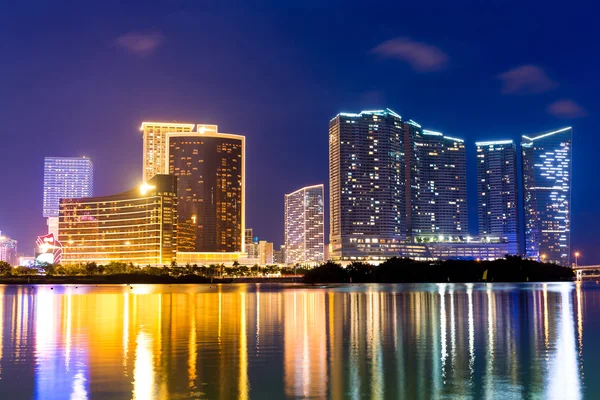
[304,229]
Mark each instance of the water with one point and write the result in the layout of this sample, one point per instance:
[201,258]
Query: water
[271,342]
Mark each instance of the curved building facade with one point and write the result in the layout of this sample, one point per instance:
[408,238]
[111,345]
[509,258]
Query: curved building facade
[209,167]
[304,234]
[138,226]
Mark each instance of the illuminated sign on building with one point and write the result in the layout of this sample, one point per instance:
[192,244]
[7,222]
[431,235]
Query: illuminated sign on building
[49,250]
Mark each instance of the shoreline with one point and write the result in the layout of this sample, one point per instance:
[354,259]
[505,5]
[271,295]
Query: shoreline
[131,279]
[196,280]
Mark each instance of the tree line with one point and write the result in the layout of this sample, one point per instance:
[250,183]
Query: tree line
[400,270]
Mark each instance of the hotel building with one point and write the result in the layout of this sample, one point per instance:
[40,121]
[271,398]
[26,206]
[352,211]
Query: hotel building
[155,148]
[304,229]
[138,226]
[210,169]
[65,178]
[497,191]
[546,159]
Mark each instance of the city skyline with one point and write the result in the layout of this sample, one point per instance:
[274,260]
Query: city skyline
[481,87]
[377,161]
[419,169]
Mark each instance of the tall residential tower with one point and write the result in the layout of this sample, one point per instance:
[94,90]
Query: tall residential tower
[65,178]
[546,161]
[366,183]
[436,166]
[497,196]
[304,210]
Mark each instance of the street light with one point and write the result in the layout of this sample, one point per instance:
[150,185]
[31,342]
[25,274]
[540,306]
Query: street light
[543,257]
[576,258]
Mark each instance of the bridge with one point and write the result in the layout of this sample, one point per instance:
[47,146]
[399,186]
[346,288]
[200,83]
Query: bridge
[587,272]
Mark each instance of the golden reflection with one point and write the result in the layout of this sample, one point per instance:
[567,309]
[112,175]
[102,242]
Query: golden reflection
[143,376]
[125,330]
[242,341]
[1,327]
[305,344]
[192,352]
[243,381]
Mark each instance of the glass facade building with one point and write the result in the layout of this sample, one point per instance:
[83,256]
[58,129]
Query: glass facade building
[210,187]
[65,178]
[497,196]
[155,147]
[138,226]
[546,159]
[304,229]
[366,182]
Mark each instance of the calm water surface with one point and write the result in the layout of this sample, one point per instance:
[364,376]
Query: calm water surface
[272,342]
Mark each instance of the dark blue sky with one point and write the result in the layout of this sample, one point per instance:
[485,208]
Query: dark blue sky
[77,79]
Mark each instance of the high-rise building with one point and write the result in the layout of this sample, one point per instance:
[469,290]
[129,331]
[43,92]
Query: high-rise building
[366,182]
[437,165]
[210,188]
[546,159]
[137,226]
[8,250]
[265,252]
[155,148]
[304,229]
[65,178]
[497,196]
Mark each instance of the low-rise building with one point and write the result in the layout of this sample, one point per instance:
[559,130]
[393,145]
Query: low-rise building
[138,226]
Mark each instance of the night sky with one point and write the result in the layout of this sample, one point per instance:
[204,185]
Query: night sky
[78,79]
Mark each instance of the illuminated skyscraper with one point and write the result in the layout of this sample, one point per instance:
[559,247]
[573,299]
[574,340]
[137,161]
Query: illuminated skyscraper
[547,195]
[366,181]
[304,212]
[437,168]
[155,145]
[210,187]
[65,178]
[497,191]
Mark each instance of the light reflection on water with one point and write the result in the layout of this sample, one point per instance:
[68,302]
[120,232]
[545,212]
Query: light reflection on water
[266,341]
